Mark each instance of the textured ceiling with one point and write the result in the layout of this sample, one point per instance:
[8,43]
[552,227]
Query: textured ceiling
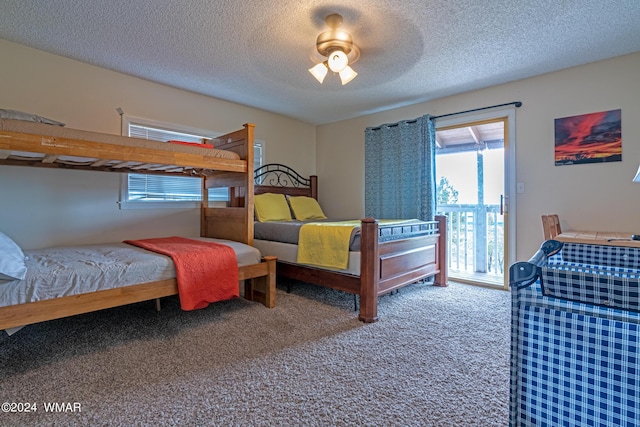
[257,52]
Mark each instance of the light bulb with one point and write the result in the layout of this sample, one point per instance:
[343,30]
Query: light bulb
[338,61]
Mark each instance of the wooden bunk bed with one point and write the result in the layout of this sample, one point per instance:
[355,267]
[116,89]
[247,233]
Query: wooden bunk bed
[387,263]
[228,164]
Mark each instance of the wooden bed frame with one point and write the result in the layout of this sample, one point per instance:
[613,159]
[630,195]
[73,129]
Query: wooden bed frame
[259,278]
[384,266]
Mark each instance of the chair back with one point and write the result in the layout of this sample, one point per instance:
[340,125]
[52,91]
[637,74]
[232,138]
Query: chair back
[550,226]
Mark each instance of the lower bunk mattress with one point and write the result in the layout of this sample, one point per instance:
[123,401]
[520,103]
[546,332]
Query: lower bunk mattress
[73,270]
[288,252]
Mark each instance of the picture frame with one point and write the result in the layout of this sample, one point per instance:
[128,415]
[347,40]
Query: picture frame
[589,138]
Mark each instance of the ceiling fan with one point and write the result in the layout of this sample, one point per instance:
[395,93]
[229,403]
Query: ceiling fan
[337,47]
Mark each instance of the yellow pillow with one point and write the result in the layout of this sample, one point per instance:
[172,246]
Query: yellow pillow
[271,207]
[306,208]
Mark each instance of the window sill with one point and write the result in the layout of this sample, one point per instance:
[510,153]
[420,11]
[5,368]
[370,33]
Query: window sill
[169,205]
[158,205]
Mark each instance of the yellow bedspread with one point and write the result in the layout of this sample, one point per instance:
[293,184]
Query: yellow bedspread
[326,244]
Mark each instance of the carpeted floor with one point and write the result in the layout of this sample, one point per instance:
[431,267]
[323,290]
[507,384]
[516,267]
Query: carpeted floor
[437,357]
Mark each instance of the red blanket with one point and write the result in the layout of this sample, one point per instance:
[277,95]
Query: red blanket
[206,271]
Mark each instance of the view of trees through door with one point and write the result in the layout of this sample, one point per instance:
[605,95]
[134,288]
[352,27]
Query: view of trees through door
[470,176]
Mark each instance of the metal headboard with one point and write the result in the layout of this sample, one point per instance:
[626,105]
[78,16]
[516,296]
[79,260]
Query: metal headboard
[278,175]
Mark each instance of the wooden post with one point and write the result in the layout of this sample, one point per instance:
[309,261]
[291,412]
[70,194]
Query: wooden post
[263,288]
[313,186]
[203,208]
[270,282]
[369,271]
[442,278]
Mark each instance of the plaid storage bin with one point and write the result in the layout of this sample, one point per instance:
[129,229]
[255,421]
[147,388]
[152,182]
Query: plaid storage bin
[573,364]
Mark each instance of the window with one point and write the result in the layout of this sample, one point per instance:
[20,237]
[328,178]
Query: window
[141,191]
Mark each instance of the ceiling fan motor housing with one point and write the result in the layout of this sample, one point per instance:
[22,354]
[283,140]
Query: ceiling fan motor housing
[334,39]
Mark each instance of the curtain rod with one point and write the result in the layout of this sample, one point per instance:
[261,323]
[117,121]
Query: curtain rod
[518,104]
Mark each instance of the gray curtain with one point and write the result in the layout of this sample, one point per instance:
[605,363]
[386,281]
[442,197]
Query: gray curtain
[400,170]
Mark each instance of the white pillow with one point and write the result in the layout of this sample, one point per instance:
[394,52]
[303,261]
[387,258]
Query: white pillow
[27,117]
[12,264]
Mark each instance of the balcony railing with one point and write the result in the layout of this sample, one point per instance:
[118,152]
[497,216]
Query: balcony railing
[476,240]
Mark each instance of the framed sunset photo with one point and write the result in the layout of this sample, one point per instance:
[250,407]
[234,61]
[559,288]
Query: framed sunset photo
[589,138]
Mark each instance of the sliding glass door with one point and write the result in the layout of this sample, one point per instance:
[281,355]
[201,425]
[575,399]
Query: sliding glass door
[474,177]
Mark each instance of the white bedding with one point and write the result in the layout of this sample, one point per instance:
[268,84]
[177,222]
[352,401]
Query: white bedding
[288,252]
[73,270]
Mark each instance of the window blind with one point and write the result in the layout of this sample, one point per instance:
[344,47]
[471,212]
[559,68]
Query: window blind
[163,188]
[156,188]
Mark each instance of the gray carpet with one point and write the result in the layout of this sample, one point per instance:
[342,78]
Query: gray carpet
[437,357]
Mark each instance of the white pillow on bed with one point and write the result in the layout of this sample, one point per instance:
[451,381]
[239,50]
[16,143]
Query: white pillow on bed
[12,264]
[27,117]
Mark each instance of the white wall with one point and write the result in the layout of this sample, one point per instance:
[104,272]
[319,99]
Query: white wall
[586,196]
[45,207]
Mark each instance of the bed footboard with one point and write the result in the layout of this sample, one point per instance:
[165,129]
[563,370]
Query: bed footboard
[386,266]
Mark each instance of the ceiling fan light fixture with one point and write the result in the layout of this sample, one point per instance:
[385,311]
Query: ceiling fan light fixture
[338,49]
[319,71]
